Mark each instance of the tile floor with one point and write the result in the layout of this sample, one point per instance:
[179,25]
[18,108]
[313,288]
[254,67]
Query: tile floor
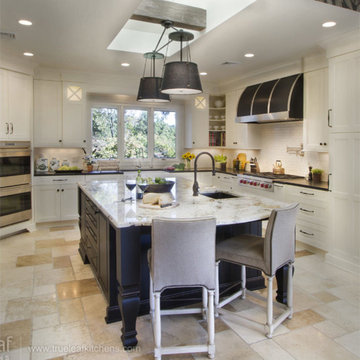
[50,299]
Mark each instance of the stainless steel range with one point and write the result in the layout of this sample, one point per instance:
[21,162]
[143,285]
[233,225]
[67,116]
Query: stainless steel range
[262,181]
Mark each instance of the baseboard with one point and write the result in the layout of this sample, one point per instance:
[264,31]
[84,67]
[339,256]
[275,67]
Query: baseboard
[342,263]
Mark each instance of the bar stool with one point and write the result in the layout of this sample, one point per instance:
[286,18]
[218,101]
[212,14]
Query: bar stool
[267,254]
[182,254]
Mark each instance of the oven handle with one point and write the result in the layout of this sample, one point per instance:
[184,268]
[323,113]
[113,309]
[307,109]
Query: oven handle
[14,190]
[9,152]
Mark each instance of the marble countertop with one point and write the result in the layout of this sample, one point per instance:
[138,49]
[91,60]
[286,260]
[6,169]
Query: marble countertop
[107,195]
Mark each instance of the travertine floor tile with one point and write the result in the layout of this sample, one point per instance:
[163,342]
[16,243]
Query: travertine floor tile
[45,321]
[18,333]
[104,353]
[62,228]
[77,288]
[303,318]
[302,253]
[44,289]
[65,250]
[330,329]
[219,325]
[350,342]
[270,350]
[325,296]
[94,307]
[61,339]
[31,260]
[71,310]
[24,308]
[53,276]
[41,244]
[309,343]
[61,262]
[17,354]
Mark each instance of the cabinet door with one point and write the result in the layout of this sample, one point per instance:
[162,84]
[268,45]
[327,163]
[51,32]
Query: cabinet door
[47,203]
[316,111]
[69,202]
[47,113]
[73,120]
[103,253]
[20,99]
[197,122]
[344,93]
[4,118]
[239,136]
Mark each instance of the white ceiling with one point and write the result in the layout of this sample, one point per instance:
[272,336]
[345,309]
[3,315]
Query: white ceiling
[75,34]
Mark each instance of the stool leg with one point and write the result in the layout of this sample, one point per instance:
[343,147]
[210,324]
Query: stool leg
[151,298]
[290,291]
[211,325]
[157,332]
[205,302]
[269,307]
[217,288]
[243,281]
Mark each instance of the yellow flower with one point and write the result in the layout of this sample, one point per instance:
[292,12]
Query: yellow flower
[188,156]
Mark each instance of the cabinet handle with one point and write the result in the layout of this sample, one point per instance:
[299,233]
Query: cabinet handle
[305,193]
[329,174]
[193,142]
[308,211]
[329,124]
[60,179]
[235,142]
[306,233]
[11,128]
[7,128]
[279,186]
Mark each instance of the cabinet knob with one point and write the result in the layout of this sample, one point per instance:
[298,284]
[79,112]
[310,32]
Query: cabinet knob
[325,144]
[235,142]
[7,128]
[321,143]
[58,190]
[62,190]
[84,141]
[11,128]
[193,142]
[60,141]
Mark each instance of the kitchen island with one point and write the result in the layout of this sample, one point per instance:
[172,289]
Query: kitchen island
[115,237]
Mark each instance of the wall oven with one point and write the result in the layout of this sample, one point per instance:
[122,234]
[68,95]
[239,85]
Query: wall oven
[15,182]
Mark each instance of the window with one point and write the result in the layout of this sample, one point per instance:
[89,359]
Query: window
[104,133]
[164,134]
[133,133]
[136,134]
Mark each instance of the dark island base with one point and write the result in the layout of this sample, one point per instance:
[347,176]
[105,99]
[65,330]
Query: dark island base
[118,258]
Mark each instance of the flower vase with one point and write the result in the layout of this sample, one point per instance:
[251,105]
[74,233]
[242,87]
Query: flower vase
[188,163]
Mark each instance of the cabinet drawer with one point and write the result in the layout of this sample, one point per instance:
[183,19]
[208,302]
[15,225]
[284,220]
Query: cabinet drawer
[307,194]
[313,213]
[314,235]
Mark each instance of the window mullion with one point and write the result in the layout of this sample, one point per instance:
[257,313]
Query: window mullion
[151,134]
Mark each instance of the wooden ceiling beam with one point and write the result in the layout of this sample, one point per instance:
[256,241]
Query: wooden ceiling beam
[347,4]
[183,16]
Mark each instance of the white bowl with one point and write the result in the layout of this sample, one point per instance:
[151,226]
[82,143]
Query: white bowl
[219,103]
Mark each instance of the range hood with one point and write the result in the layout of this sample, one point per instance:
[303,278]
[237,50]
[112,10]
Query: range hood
[272,101]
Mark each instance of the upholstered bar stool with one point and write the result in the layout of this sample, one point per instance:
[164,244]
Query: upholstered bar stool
[267,254]
[182,255]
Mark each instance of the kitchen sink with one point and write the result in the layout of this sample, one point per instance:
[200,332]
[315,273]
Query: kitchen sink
[219,195]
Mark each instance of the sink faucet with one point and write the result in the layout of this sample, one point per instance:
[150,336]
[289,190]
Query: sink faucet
[196,185]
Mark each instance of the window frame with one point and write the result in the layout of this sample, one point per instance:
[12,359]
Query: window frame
[151,161]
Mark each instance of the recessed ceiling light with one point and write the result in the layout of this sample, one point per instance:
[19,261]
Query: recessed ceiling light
[203,73]
[328,24]
[25,22]
[28,54]
[125,64]
[249,55]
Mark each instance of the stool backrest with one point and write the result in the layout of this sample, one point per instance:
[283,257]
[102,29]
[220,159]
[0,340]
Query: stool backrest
[279,247]
[183,253]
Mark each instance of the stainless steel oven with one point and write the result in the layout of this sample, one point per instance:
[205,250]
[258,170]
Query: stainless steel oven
[15,182]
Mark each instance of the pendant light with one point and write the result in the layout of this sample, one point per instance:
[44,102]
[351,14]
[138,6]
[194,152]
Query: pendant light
[181,77]
[149,88]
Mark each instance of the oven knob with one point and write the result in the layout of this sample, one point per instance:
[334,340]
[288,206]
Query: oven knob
[266,186]
[241,181]
[255,183]
[262,185]
[250,182]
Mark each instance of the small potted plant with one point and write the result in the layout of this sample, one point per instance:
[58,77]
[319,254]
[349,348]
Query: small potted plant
[188,157]
[221,159]
[89,163]
[316,175]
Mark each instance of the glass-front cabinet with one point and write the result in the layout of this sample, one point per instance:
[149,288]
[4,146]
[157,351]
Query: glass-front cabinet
[217,117]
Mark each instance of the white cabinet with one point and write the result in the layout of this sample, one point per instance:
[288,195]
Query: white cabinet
[59,114]
[47,113]
[315,127]
[197,122]
[56,198]
[313,217]
[344,93]
[16,100]
[239,136]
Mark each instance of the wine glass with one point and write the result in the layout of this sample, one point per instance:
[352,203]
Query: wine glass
[130,184]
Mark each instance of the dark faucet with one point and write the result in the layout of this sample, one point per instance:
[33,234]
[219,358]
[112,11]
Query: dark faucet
[196,185]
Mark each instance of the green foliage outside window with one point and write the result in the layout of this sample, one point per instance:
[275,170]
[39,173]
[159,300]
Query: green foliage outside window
[104,133]
[136,134]
[164,134]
